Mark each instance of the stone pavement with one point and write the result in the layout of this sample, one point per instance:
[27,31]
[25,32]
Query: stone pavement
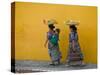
[43,66]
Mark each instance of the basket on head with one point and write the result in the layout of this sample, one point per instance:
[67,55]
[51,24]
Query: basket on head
[71,22]
[51,21]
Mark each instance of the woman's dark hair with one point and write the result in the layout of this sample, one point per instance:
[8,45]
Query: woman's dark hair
[73,27]
[51,26]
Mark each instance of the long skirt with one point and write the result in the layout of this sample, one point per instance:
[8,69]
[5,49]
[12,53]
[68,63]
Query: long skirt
[54,52]
[74,55]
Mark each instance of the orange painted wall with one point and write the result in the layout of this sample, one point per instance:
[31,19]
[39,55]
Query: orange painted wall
[30,32]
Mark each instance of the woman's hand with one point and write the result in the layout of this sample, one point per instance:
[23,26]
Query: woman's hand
[46,43]
[44,21]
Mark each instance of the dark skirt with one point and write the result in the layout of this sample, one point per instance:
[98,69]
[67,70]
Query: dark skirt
[54,52]
[74,55]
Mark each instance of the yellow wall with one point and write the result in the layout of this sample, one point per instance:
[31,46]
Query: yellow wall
[30,32]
